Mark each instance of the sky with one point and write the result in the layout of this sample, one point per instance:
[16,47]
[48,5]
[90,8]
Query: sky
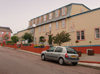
[16,14]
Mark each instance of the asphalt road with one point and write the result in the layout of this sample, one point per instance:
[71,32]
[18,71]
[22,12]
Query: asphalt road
[16,62]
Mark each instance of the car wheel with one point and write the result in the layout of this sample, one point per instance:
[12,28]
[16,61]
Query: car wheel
[43,57]
[74,63]
[61,61]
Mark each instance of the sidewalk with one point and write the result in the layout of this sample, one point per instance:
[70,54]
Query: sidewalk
[90,61]
[85,60]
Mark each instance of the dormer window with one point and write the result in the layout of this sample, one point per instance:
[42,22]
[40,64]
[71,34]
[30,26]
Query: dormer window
[63,11]
[39,19]
[44,18]
[35,21]
[50,15]
[56,13]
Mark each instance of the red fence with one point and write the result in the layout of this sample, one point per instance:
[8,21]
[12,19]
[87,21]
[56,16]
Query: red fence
[27,48]
[84,49]
[39,50]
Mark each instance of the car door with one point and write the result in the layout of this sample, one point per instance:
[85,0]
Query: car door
[56,54]
[49,52]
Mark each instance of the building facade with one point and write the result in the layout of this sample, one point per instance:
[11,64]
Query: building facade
[5,34]
[79,21]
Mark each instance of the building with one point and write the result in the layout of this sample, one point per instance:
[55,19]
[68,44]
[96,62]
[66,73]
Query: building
[19,34]
[78,20]
[5,34]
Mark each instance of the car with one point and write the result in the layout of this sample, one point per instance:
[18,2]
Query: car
[63,55]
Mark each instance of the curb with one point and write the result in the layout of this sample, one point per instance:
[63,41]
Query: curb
[90,62]
[90,65]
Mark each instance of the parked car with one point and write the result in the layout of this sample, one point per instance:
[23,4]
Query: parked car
[64,55]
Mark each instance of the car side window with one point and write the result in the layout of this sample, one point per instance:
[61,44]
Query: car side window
[58,49]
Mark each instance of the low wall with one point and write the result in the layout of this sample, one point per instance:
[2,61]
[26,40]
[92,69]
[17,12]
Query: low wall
[84,49]
[39,50]
[27,48]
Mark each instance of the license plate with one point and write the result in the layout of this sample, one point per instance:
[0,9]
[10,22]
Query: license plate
[73,56]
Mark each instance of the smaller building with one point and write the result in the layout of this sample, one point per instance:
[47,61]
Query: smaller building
[19,34]
[5,34]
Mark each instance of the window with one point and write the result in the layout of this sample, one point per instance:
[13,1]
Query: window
[2,33]
[39,29]
[50,16]
[0,38]
[63,23]
[97,32]
[50,27]
[56,13]
[32,22]
[51,49]
[56,25]
[63,11]
[44,28]
[39,19]
[35,21]
[58,49]
[7,33]
[80,35]
[44,18]
[71,51]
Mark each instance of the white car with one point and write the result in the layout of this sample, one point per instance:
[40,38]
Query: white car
[64,55]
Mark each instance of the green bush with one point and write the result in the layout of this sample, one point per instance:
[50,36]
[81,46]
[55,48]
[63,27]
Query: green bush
[10,42]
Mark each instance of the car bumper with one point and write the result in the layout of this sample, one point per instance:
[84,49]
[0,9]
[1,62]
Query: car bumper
[70,60]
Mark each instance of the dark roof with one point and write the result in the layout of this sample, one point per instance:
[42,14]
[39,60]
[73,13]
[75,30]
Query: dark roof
[68,17]
[64,6]
[24,30]
[85,12]
[7,28]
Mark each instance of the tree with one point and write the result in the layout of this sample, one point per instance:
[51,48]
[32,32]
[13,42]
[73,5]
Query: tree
[15,39]
[61,38]
[42,39]
[28,36]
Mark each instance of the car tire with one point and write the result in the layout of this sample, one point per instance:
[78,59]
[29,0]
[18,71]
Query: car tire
[61,61]
[74,63]
[43,57]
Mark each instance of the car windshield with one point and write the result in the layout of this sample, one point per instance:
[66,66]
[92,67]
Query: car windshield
[51,49]
[71,51]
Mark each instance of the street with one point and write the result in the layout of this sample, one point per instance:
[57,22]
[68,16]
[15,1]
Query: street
[13,61]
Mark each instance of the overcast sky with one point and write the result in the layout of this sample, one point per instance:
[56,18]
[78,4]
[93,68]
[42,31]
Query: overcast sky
[16,13]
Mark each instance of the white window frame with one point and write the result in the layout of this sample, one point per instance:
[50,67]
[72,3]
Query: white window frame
[63,11]
[40,29]
[44,18]
[7,33]
[44,28]
[50,15]
[56,13]
[57,25]
[2,33]
[36,21]
[39,19]
[97,33]
[63,23]
[50,27]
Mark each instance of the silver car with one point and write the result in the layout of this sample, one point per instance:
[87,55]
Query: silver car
[64,55]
